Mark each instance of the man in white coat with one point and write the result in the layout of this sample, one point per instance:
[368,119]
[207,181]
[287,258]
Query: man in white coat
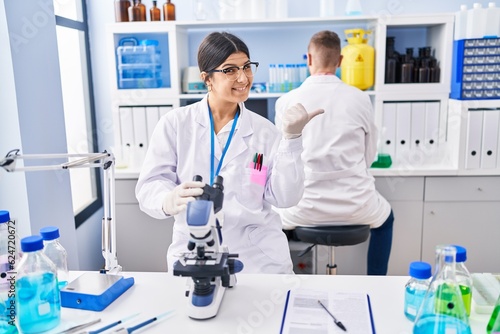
[339,148]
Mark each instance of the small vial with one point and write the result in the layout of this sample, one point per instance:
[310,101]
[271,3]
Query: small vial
[416,287]
[463,278]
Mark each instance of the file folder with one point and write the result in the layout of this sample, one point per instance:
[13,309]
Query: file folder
[127,126]
[403,129]
[432,112]
[152,117]
[417,134]
[489,142]
[140,127]
[473,147]
[388,132]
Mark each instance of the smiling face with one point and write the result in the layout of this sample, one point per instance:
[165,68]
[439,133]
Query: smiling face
[223,89]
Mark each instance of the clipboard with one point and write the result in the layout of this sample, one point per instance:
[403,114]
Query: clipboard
[302,311]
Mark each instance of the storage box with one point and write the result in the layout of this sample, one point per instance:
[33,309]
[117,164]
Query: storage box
[138,64]
[476,69]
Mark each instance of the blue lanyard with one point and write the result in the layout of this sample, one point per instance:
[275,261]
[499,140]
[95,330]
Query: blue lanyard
[212,154]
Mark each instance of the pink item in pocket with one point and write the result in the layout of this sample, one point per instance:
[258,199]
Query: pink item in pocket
[258,176]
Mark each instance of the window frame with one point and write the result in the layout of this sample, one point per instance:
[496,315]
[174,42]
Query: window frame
[82,26]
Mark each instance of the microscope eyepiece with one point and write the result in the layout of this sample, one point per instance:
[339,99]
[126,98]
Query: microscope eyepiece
[218,182]
[197,178]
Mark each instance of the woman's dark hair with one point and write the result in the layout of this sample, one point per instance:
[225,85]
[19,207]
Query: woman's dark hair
[216,48]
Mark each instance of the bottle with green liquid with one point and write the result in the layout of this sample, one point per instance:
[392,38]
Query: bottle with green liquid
[464,277]
[443,309]
[493,326]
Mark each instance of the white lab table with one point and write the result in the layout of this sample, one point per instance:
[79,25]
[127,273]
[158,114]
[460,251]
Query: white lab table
[254,305]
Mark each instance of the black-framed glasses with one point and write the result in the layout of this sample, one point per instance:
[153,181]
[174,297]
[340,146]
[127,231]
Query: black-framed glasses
[233,72]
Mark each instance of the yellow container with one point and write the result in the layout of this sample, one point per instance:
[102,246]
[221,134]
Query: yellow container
[358,63]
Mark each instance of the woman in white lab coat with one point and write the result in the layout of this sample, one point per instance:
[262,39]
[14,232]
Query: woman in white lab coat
[219,136]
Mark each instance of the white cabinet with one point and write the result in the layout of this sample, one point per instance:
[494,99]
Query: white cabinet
[463,211]
[141,241]
[405,194]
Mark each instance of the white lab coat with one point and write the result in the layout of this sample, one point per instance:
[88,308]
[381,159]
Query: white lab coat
[180,149]
[339,147]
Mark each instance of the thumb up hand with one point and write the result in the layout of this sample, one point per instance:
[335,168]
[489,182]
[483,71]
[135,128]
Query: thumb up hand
[295,119]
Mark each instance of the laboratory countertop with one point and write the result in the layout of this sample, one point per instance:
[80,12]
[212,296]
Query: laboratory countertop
[254,305]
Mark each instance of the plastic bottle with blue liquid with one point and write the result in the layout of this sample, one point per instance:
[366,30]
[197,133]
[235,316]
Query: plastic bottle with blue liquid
[443,309]
[38,299]
[56,253]
[416,287]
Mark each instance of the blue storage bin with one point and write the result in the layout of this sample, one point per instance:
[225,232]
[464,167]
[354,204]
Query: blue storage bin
[138,64]
[476,69]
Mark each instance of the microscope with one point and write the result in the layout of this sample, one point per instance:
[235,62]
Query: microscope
[208,262]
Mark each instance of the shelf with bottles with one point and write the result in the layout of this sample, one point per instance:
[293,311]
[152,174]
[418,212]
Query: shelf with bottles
[433,31]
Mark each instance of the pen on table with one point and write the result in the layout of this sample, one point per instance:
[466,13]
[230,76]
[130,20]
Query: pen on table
[102,329]
[142,324]
[338,323]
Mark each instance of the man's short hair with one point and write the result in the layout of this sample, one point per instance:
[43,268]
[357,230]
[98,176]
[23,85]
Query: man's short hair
[326,46]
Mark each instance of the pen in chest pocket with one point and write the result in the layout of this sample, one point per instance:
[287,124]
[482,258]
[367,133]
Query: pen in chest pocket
[257,161]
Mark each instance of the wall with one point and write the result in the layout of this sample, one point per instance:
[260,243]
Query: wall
[13,193]
[34,116]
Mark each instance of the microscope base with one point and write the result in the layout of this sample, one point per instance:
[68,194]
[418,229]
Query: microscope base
[201,312]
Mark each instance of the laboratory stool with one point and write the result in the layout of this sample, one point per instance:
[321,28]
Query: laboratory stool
[332,236]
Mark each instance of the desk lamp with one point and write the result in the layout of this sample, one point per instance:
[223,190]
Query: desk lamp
[90,291]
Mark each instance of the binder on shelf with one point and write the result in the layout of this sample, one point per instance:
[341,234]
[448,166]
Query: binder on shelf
[152,117]
[473,147]
[489,142]
[126,126]
[403,129]
[417,134]
[140,127]
[432,113]
[388,131]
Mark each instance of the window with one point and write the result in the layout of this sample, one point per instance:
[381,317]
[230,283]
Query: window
[79,114]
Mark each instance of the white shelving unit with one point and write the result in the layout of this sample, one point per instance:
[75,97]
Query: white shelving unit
[403,185]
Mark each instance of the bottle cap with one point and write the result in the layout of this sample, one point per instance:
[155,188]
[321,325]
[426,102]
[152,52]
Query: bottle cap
[420,270]
[32,243]
[461,253]
[49,233]
[4,216]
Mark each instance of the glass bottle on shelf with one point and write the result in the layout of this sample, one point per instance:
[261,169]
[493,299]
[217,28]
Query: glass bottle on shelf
[168,11]
[155,12]
[424,74]
[121,10]
[134,12]
[443,309]
[142,8]
[407,68]
[391,62]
